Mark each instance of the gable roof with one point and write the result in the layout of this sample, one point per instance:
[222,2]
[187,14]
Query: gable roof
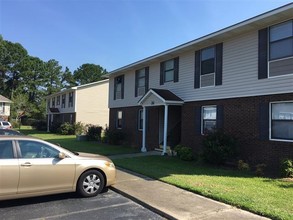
[4,99]
[255,23]
[165,96]
[79,87]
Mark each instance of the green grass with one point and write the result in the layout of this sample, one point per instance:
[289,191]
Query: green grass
[268,197]
[69,142]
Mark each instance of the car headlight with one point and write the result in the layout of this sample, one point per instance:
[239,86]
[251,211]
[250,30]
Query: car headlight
[109,164]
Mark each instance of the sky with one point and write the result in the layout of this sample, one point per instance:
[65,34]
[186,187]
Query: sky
[115,33]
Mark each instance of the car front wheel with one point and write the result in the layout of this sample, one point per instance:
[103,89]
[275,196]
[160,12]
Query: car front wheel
[90,183]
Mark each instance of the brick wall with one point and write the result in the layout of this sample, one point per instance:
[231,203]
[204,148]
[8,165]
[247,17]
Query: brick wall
[241,118]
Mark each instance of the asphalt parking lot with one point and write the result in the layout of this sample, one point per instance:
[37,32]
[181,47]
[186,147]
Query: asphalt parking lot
[107,205]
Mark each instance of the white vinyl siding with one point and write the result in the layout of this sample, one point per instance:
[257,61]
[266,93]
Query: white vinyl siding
[240,76]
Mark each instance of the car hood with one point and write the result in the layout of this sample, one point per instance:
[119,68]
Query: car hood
[89,156]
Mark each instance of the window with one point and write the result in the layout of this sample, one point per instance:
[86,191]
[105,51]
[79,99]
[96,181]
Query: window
[48,104]
[6,150]
[119,119]
[209,119]
[282,121]
[275,50]
[53,102]
[58,100]
[169,71]
[119,87]
[281,40]
[32,149]
[207,67]
[70,100]
[141,81]
[2,107]
[63,100]
[140,119]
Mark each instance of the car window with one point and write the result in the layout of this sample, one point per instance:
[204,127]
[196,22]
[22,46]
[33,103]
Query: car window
[6,150]
[5,123]
[34,149]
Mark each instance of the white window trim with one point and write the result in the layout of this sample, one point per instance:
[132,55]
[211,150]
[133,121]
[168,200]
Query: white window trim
[117,113]
[210,85]
[270,122]
[201,116]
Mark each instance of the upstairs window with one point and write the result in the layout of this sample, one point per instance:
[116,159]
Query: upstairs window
[275,50]
[281,40]
[169,71]
[282,121]
[208,66]
[58,100]
[70,100]
[2,107]
[141,81]
[119,87]
[63,101]
[53,102]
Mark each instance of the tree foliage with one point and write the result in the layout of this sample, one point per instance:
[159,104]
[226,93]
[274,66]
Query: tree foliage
[27,80]
[88,73]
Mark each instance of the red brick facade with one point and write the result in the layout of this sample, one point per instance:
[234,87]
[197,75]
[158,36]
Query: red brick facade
[241,118]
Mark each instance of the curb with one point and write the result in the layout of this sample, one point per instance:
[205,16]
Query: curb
[148,206]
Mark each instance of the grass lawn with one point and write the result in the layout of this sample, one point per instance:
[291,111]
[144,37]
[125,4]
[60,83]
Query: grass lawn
[70,142]
[268,197]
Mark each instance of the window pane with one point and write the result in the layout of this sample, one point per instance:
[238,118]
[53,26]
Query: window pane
[282,130]
[282,111]
[169,75]
[141,82]
[169,65]
[208,53]
[208,66]
[209,125]
[209,113]
[281,49]
[119,114]
[281,31]
[6,150]
[141,72]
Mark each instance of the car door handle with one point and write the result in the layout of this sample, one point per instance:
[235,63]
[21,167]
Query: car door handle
[26,164]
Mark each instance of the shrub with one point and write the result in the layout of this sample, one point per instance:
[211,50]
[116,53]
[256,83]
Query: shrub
[116,137]
[218,147]
[40,125]
[184,153]
[15,124]
[79,128]
[67,128]
[94,133]
[287,168]
[105,135]
[260,169]
[243,166]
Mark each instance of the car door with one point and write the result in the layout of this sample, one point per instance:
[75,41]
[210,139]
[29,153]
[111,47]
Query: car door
[9,169]
[41,170]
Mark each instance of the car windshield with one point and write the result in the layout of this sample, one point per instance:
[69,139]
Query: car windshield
[74,152]
[5,123]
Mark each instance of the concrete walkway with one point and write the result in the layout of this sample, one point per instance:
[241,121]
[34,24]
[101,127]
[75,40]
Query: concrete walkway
[173,202]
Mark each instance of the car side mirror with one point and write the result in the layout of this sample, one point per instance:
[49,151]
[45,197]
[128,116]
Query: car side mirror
[61,155]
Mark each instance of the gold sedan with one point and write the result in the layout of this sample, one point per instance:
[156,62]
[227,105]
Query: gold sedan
[32,167]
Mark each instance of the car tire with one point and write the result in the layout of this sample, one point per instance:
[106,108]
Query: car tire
[90,183]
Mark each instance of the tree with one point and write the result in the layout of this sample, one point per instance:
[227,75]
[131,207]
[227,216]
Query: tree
[67,79]
[11,55]
[88,73]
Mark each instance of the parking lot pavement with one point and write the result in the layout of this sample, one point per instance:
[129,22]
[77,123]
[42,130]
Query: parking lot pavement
[108,205]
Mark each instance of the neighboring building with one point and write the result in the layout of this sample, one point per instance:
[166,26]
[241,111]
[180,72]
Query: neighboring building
[239,79]
[86,103]
[4,108]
